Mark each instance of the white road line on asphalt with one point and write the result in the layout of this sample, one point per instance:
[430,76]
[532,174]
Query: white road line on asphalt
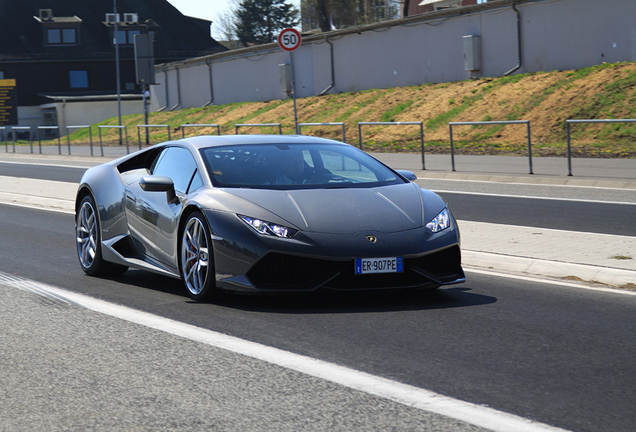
[455,192]
[405,394]
[536,184]
[30,206]
[44,164]
[551,281]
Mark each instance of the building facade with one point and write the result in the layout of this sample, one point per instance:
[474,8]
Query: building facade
[62,52]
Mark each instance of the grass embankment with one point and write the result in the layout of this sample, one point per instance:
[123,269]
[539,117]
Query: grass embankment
[546,99]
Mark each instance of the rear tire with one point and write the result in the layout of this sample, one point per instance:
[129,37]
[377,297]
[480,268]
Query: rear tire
[88,240]
[196,260]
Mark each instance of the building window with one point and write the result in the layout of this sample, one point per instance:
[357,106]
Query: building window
[68,36]
[61,36]
[78,79]
[126,37]
[1,74]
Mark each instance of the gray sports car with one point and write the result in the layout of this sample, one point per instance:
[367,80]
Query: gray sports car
[265,213]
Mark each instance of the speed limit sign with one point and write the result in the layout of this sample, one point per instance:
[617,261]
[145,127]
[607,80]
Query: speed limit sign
[289,39]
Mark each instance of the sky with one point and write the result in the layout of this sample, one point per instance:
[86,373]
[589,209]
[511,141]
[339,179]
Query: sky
[208,9]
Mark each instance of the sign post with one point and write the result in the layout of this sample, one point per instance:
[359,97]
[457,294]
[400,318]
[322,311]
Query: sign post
[289,40]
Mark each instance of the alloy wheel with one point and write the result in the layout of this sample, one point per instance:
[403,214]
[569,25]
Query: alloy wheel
[194,256]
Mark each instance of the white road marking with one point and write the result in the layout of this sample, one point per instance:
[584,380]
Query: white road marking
[35,207]
[539,279]
[456,192]
[405,394]
[534,184]
[45,164]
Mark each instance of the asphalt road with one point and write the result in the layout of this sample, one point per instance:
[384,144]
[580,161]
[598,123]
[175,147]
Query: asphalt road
[555,354]
[42,172]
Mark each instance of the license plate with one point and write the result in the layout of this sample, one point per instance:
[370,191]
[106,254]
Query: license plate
[379,265]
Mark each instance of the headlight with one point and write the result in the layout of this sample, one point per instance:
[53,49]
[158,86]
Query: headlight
[440,222]
[268,228]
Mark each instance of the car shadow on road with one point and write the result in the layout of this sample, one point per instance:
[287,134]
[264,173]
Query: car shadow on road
[358,301]
[322,301]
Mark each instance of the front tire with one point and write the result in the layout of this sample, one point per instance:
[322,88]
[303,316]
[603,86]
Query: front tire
[196,258]
[88,240]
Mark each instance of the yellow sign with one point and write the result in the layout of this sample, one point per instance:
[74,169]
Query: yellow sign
[8,103]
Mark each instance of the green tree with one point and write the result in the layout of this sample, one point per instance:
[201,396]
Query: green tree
[260,21]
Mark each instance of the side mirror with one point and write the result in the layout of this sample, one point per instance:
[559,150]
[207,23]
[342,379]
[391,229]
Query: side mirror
[407,175]
[159,184]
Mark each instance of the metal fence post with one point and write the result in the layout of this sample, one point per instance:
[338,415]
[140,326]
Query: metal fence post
[4,137]
[422,144]
[477,123]
[450,126]
[125,128]
[529,148]
[147,126]
[569,154]
[90,137]
[59,145]
[22,128]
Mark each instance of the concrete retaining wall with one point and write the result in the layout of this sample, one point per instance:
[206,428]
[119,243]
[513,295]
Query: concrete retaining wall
[556,34]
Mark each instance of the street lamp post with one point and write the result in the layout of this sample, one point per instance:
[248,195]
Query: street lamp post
[116,41]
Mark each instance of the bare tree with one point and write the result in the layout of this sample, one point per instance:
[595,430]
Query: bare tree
[224,27]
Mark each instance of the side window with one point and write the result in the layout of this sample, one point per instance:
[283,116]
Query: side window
[178,164]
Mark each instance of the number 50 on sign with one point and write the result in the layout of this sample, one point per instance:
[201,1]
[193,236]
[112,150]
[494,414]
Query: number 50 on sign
[289,39]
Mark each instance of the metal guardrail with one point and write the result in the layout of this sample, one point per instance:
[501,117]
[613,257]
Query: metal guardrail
[280,127]
[420,124]
[59,142]
[300,125]
[90,136]
[183,126]
[22,128]
[508,122]
[111,127]
[148,126]
[567,131]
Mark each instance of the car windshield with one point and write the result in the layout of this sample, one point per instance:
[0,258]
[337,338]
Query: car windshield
[295,166]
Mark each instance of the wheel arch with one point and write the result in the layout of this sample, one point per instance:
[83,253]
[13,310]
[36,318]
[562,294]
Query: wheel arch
[83,191]
[185,214]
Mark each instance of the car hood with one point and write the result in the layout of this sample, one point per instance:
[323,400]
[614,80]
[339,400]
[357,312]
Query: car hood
[343,211]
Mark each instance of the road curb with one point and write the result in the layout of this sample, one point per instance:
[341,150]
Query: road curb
[539,267]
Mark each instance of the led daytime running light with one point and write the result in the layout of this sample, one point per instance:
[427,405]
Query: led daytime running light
[268,228]
[440,222]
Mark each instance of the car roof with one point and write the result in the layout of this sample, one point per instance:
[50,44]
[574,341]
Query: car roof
[224,140]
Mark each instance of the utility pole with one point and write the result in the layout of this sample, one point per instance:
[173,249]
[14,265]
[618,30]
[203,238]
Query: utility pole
[116,40]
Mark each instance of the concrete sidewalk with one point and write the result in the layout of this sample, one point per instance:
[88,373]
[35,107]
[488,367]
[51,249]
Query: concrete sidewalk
[602,258]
